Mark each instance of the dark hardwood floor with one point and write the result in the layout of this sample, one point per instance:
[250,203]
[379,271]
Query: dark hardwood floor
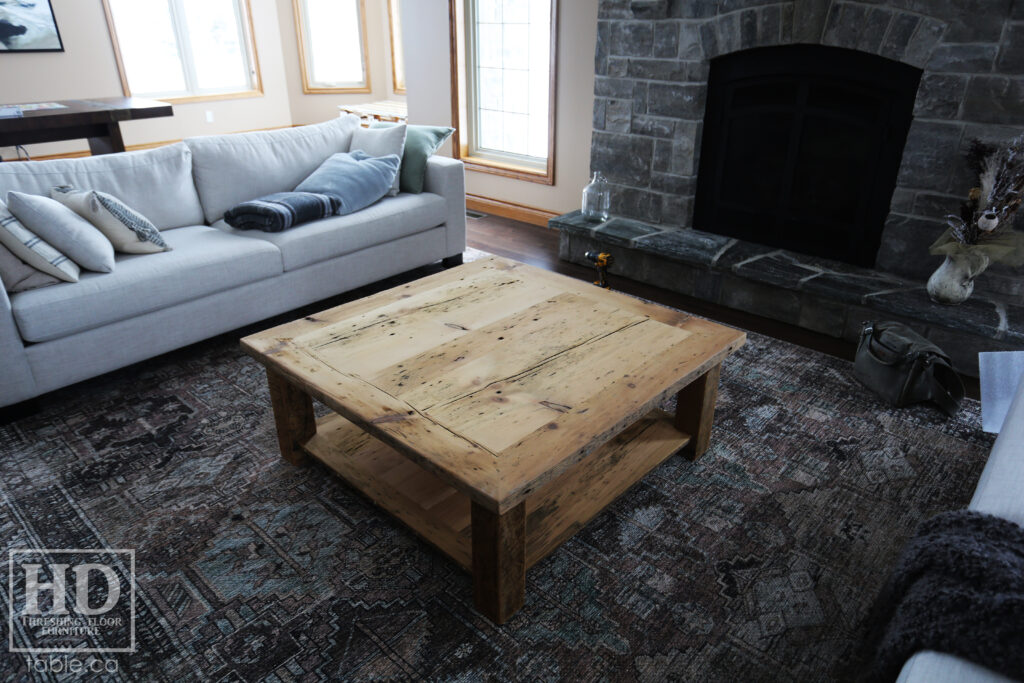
[539,247]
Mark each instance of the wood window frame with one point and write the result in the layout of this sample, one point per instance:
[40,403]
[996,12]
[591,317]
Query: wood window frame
[249,36]
[307,87]
[459,101]
[397,86]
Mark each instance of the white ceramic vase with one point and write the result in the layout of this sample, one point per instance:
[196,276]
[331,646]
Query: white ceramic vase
[952,283]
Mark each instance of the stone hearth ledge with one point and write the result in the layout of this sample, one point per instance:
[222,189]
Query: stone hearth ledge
[813,293]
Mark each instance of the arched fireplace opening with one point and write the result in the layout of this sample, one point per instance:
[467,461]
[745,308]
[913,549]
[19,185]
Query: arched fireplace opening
[801,148]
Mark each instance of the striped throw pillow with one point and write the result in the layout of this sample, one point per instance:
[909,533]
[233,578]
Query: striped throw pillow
[31,248]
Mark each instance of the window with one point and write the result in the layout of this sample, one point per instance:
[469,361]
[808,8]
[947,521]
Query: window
[397,53]
[183,50]
[504,81]
[332,45]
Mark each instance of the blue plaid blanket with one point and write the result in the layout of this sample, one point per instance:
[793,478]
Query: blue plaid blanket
[280,211]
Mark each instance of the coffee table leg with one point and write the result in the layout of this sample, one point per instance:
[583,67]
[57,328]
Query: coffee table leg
[293,415]
[499,561]
[695,411]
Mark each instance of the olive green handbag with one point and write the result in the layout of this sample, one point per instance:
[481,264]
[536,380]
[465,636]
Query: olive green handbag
[903,367]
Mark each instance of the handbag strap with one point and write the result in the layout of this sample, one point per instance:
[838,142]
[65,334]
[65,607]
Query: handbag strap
[948,389]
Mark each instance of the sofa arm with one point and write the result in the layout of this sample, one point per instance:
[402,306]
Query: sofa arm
[16,381]
[447,178]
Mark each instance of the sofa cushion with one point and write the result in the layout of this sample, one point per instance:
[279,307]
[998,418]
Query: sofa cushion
[155,182]
[355,179]
[385,221]
[230,169]
[202,261]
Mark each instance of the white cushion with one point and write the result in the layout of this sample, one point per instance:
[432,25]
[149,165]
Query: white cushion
[18,276]
[385,221]
[380,142]
[1002,481]
[938,667]
[155,182]
[128,230]
[68,232]
[33,250]
[203,261]
[231,169]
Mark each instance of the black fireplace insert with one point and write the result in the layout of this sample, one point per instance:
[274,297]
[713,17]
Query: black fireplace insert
[802,146]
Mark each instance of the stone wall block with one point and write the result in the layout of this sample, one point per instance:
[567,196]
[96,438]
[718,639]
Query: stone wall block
[673,184]
[929,155]
[640,204]
[605,86]
[902,200]
[787,26]
[690,46]
[640,95]
[614,9]
[729,33]
[901,30]
[602,48]
[845,24]
[619,116]
[692,9]
[600,105]
[973,21]
[632,39]
[939,96]
[1011,51]
[962,58]
[680,101]
[809,18]
[927,35]
[666,39]
[768,20]
[677,210]
[995,99]
[709,40]
[653,126]
[623,159]
[875,28]
[618,67]
[748,29]
[905,242]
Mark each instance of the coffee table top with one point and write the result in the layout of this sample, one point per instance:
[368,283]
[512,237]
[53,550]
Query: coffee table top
[495,375]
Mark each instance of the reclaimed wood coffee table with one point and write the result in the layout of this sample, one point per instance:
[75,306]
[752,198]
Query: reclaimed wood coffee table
[494,408]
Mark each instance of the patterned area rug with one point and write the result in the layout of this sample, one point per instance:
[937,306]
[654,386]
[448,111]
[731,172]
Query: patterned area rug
[758,562]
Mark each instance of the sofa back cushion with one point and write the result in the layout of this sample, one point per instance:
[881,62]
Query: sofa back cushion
[155,182]
[231,169]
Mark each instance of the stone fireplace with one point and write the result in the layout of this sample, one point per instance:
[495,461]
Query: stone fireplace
[955,67]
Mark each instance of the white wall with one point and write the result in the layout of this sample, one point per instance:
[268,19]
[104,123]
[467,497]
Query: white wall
[87,69]
[429,99]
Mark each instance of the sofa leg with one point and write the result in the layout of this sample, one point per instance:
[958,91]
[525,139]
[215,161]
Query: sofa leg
[452,261]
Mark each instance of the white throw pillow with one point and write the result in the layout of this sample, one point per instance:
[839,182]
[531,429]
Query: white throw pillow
[33,250]
[68,232]
[380,142]
[128,230]
[18,276]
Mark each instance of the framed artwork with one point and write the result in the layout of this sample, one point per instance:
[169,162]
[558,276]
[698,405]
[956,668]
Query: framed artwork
[29,26]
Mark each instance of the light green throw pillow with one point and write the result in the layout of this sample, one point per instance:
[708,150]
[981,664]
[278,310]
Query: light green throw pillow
[420,143]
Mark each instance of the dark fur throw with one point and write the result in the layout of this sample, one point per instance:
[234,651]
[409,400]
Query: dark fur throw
[958,588]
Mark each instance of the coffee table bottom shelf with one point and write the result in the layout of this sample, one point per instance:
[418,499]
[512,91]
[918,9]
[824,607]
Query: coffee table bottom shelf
[442,515]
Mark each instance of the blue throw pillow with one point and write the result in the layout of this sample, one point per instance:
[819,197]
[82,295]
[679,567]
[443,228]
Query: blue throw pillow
[355,178]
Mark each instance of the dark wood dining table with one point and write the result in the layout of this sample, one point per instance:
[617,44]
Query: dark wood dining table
[97,120]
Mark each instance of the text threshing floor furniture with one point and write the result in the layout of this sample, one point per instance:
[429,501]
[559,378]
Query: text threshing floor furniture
[494,408]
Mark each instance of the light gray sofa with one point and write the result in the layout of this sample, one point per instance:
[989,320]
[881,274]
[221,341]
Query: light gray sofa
[1000,492]
[216,278]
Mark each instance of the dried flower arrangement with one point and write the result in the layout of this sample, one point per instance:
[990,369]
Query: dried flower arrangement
[983,228]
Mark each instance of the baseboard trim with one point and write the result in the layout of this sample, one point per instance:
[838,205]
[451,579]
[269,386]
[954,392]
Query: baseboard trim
[517,212]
